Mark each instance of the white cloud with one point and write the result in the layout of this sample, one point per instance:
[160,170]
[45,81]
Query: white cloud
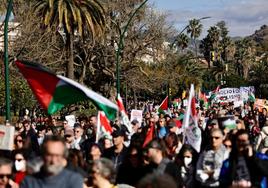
[242,17]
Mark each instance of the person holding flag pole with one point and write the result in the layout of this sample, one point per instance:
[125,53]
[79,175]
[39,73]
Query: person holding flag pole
[192,133]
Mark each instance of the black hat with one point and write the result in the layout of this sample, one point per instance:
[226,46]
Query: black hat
[134,122]
[118,132]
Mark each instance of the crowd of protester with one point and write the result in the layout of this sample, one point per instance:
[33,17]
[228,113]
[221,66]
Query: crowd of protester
[55,154]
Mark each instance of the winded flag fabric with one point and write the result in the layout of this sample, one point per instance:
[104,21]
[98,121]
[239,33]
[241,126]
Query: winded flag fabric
[251,97]
[190,124]
[164,105]
[214,93]
[203,99]
[53,92]
[103,126]
[149,136]
[123,113]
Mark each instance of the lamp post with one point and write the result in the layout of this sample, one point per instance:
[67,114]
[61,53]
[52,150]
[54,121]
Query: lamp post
[203,18]
[121,46]
[7,86]
[171,46]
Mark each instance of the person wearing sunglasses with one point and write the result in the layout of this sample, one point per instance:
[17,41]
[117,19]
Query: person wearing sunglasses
[20,157]
[6,174]
[19,142]
[211,159]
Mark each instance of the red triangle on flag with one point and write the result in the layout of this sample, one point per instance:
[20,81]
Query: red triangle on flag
[164,104]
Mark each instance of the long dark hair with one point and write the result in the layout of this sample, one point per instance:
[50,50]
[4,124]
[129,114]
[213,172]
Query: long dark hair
[179,157]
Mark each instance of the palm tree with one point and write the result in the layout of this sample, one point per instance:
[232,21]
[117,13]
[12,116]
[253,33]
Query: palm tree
[194,29]
[182,41]
[73,16]
[214,37]
[244,56]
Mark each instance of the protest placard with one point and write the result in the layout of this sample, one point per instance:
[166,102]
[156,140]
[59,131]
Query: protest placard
[136,115]
[6,137]
[71,120]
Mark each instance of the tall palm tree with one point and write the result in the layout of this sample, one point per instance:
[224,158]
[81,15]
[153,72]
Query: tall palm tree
[195,30]
[73,16]
[182,41]
[214,38]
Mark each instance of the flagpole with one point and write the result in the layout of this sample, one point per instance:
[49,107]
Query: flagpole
[121,46]
[7,86]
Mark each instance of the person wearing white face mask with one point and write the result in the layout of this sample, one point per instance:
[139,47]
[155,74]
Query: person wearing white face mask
[186,160]
[20,157]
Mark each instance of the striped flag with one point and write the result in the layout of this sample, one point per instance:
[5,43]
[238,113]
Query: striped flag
[103,126]
[123,114]
[53,92]
[192,132]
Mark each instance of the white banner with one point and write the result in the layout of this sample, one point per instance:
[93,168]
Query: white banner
[234,94]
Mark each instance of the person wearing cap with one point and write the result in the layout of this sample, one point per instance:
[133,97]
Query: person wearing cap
[69,137]
[118,151]
[158,163]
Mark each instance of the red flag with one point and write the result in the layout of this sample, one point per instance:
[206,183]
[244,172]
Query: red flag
[149,136]
[164,104]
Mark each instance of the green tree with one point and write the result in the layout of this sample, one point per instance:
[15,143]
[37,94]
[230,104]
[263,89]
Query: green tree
[75,18]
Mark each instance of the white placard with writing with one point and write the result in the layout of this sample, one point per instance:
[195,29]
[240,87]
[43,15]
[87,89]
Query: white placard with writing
[6,137]
[136,114]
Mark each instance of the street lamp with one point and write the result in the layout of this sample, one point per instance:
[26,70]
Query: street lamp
[7,86]
[121,46]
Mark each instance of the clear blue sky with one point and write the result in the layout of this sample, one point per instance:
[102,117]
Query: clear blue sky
[243,17]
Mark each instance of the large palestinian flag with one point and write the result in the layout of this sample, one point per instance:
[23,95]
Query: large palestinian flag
[53,92]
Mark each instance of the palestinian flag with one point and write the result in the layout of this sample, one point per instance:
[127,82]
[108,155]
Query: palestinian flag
[123,113]
[53,92]
[192,133]
[214,94]
[103,126]
[203,99]
[164,105]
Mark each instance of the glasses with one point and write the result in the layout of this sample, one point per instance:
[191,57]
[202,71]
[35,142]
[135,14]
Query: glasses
[20,141]
[228,146]
[67,136]
[8,176]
